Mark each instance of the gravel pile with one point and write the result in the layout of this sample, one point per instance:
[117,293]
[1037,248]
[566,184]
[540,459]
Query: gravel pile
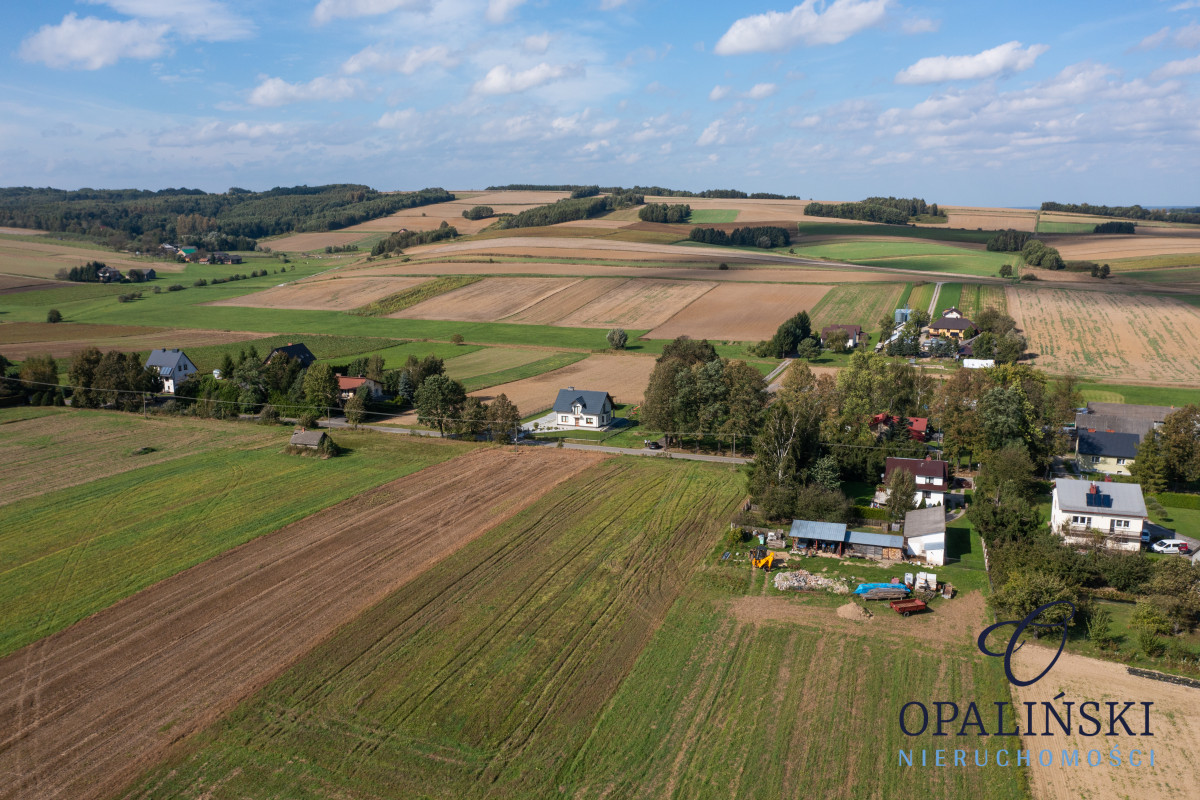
[801,580]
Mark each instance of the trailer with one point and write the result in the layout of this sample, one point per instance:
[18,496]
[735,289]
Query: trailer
[906,607]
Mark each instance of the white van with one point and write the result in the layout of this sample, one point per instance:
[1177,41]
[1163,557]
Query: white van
[1172,546]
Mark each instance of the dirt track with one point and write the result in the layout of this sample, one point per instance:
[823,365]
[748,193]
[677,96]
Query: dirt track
[83,712]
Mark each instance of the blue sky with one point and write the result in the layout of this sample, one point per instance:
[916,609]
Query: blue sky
[969,103]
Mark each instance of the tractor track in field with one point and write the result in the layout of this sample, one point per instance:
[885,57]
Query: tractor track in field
[116,690]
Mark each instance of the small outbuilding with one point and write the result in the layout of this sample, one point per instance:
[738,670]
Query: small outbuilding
[925,534]
[835,538]
[309,439]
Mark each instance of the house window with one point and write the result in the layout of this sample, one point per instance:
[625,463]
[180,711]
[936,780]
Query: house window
[1095,459]
[1121,462]
[1121,523]
[1087,521]
[566,419]
[591,420]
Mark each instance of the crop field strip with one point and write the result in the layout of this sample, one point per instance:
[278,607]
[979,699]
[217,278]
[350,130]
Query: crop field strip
[949,297]
[740,311]
[170,660]
[487,674]
[921,296]
[624,377]
[60,565]
[1098,335]
[857,304]
[331,294]
[487,300]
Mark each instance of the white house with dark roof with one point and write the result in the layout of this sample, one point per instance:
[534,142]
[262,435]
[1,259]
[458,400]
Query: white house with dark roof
[1106,451]
[575,408]
[173,366]
[930,476]
[1081,510]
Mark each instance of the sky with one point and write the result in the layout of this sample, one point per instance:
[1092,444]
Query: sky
[960,103]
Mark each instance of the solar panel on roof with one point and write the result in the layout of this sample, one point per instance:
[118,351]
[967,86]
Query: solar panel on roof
[1099,500]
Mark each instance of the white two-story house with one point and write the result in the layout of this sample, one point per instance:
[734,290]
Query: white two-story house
[574,408]
[173,366]
[1082,510]
[932,479]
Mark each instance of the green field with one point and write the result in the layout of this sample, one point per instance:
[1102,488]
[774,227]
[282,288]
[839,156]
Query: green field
[867,229]
[395,356]
[856,304]
[339,349]
[921,296]
[516,373]
[949,297]
[712,215]
[1065,227]
[1137,395]
[60,565]
[592,646]
[1156,262]
[920,256]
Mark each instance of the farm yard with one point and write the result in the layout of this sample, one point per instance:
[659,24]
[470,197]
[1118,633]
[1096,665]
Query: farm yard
[1123,338]
[329,294]
[740,312]
[170,660]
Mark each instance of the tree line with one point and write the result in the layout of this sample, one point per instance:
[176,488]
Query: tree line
[1188,215]
[1115,227]
[1037,253]
[766,236]
[657,191]
[478,212]
[401,240]
[665,212]
[1008,241]
[569,210]
[233,220]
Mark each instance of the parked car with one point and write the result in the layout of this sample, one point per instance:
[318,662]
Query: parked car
[1172,546]
[650,445]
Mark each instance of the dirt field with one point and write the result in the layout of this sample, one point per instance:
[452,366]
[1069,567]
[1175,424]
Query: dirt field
[989,218]
[25,344]
[337,294]
[1126,338]
[303,242]
[565,301]
[22,231]
[1098,247]
[706,273]
[86,710]
[487,300]
[740,312]
[429,217]
[624,377]
[10,284]
[636,304]
[43,259]
[1174,721]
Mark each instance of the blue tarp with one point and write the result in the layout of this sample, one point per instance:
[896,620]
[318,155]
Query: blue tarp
[863,588]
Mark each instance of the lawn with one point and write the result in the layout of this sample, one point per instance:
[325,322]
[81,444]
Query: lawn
[1137,395]
[60,566]
[713,215]
[920,256]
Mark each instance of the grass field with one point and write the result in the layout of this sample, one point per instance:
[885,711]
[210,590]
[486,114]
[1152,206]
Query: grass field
[407,298]
[591,646]
[1154,262]
[924,257]
[975,297]
[394,357]
[949,296]
[519,372]
[921,296]
[59,566]
[712,215]
[1137,395]
[1044,226]
[856,304]
[856,229]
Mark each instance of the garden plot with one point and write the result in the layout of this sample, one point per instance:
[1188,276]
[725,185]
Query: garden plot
[337,294]
[637,304]
[740,312]
[1124,338]
[487,300]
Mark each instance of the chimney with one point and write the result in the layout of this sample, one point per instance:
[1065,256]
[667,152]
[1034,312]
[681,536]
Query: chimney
[1093,489]
[570,388]
[929,458]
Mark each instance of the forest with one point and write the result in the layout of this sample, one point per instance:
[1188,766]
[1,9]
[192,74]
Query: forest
[766,237]
[569,210]
[655,191]
[234,220]
[889,210]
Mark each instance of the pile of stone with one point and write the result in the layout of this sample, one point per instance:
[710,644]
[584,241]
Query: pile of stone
[801,580]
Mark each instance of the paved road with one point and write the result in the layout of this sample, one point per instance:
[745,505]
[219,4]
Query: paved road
[773,380]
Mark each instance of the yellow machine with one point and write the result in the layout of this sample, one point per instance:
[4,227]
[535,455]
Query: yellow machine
[762,558]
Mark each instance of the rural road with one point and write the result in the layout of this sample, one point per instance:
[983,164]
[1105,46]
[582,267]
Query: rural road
[933,301]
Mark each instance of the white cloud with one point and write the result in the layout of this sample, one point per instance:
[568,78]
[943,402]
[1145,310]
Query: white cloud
[719,93]
[502,80]
[807,23]
[711,134]
[609,5]
[404,118]
[381,60]
[1005,58]
[722,131]
[1174,69]
[278,92]
[208,20]
[501,10]
[915,25]
[329,10]
[536,44]
[1155,39]
[1187,36]
[762,90]
[92,43]
[1186,6]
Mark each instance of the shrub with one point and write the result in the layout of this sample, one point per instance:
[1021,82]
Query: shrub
[457,339]
[156,289]
[175,287]
[202,282]
[327,448]
[723,265]
[268,415]
[308,418]
[1150,644]
[53,315]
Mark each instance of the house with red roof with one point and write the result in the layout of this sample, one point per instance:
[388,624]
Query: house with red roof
[349,387]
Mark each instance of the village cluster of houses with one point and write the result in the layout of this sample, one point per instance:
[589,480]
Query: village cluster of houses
[196,256]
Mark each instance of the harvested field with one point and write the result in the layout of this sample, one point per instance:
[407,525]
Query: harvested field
[429,217]
[102,336]
[990,219]
[57,448]
[691,271]
[22,231]
[330,294]
[1125,338]
[637,304]
[564,302]
[487,676]
[857,304]
[1174,722]
[170,660]
[976,297]
[740,312]
[1102,247]
[487,300]
[42,259]
[11,284]
[307,242]
[624,377]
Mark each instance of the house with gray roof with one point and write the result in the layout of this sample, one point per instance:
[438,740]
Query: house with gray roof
[925,534]
[834,537]
[581,408]
[298,351]
[1084,511]
[310,439]
[172,366]
[1106,451]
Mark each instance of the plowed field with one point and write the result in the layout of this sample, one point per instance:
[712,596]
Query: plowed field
[740,312]
[636,304]
[709,272]
[1098,247]
[487,300]
[624,377]
[85,336]
[1125,338]
[337,294]
[567,301]
[84,711]
[990,219]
